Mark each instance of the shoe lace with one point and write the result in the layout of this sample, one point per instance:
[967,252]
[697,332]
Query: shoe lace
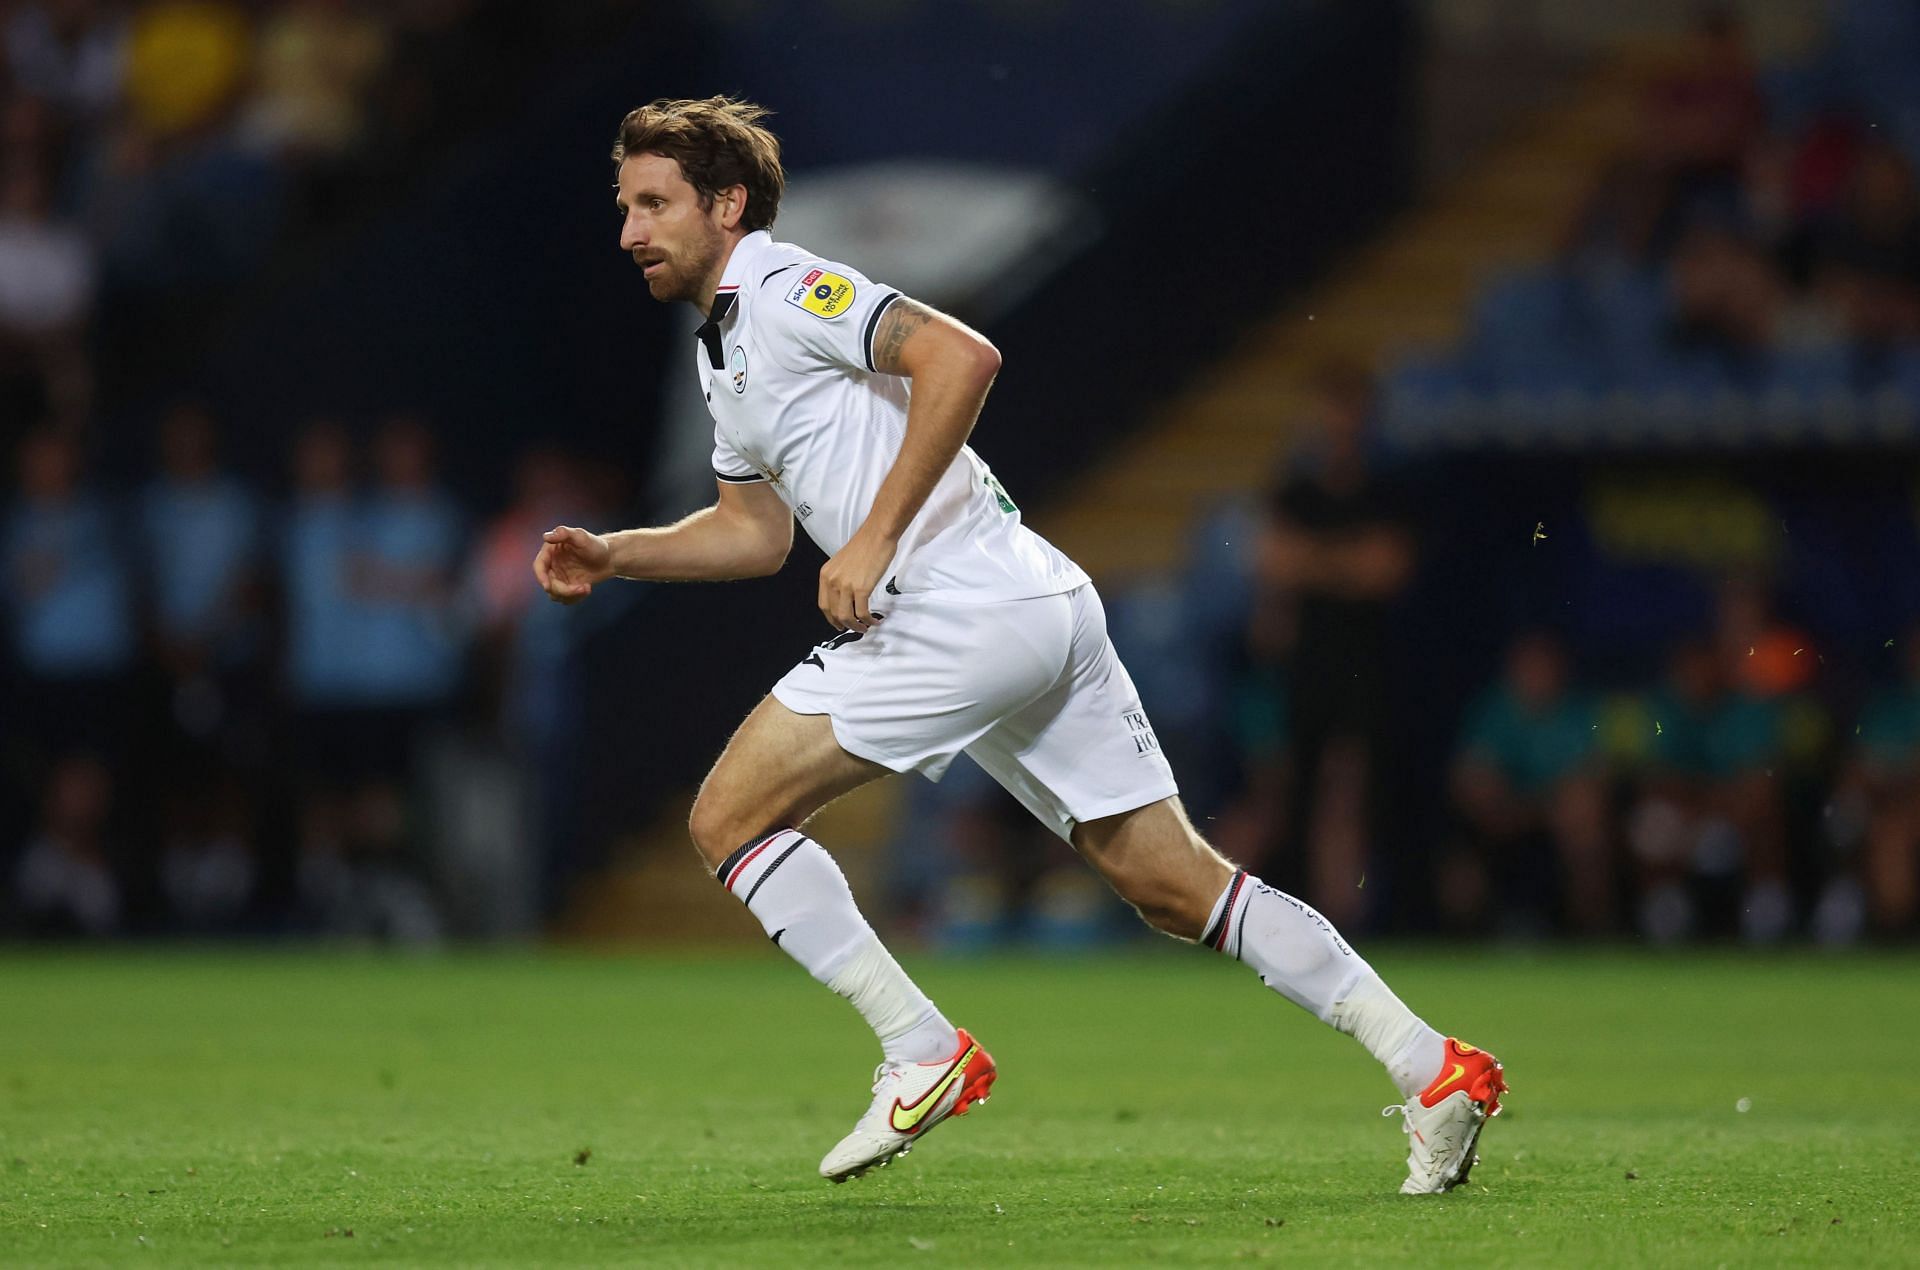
[1404,1112]
[883,1076]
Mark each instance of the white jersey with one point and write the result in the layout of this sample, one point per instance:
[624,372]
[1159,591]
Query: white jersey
[786,363]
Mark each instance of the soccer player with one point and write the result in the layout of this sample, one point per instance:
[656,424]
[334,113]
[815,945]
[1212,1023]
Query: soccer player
[845,405]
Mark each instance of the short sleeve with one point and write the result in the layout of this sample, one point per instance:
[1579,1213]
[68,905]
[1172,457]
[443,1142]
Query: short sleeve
[821,313]
[729,467]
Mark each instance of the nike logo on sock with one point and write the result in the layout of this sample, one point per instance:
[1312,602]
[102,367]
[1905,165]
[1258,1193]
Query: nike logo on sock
[777,934]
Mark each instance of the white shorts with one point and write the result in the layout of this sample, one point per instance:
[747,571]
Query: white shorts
[1031,690]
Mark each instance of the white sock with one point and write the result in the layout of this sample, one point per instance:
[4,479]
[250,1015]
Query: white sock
[801,898]
[1302,957]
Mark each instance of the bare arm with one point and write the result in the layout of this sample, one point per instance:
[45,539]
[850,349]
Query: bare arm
[747,534]
[952,367]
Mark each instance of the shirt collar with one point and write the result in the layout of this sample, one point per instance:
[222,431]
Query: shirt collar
[740,263]
[745,252]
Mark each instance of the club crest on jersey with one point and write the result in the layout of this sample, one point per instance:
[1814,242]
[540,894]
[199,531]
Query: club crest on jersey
[739,367]
[823,294]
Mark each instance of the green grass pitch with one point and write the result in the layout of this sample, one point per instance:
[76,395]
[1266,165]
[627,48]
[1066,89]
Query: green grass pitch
[167,1108]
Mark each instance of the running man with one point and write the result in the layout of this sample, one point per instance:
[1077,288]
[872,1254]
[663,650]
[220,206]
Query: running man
[845,405]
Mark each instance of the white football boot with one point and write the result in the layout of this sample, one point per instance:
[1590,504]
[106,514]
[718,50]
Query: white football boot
[1443,1123]
[908,1100]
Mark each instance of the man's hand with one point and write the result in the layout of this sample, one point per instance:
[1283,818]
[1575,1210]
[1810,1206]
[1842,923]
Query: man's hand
[570,562]
[847,580]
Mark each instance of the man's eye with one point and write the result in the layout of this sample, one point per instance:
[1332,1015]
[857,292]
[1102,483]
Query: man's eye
[655,204]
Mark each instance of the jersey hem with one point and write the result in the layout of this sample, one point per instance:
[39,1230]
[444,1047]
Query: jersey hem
[1034,591]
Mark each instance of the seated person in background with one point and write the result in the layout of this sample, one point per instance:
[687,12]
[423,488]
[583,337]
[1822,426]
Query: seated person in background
[1528,785]
[1876,815]
[1709,809]
[63,884]
[1866,259]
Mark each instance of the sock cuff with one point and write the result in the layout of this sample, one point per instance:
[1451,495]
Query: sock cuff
[1224,913]
[743,872]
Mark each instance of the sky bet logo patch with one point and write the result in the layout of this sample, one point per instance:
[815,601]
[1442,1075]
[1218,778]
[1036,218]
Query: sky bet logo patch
[823,294]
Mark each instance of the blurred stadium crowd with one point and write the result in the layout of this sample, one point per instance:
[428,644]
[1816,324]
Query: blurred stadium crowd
[1749,267]
[1745,274]
[200,665]
[201,670]
[1739,790]
[241,705]
[158,153]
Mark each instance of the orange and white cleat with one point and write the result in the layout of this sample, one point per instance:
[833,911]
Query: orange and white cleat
[908,1100]
[1443,1123]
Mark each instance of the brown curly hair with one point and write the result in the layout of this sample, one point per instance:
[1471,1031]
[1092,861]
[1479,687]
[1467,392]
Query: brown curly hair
[718,143]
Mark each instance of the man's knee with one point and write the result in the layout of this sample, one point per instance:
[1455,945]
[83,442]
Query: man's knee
[1157,863]
[718,829]
[1169,910]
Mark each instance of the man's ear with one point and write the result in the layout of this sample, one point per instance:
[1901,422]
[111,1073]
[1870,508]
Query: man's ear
[732,205]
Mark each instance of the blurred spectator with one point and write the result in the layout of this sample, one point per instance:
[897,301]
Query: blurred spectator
[1867,257]
[46,294]
[68,596]
[1732,301]
[1698,121]
[408,543]
[1708,105]
[353,876]
[70,53]
[205,713]
[63,883]
[1337,542]
[1529,787]
[1709,814]
[315,63]
[201,533]
[186,63]
[527,677]
[1769,659]
[375,650]
[208,870]
[316,565]
[548,491]
[1874,819]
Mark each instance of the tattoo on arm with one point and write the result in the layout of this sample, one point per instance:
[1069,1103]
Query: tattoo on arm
[902,318]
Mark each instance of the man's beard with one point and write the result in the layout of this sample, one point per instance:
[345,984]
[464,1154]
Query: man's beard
[682,277]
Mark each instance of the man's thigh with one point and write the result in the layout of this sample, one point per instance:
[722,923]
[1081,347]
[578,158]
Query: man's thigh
[778,769]
[921,687]
[1084,749]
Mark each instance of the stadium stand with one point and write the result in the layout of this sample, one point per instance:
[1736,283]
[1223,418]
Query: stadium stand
[1648,368]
